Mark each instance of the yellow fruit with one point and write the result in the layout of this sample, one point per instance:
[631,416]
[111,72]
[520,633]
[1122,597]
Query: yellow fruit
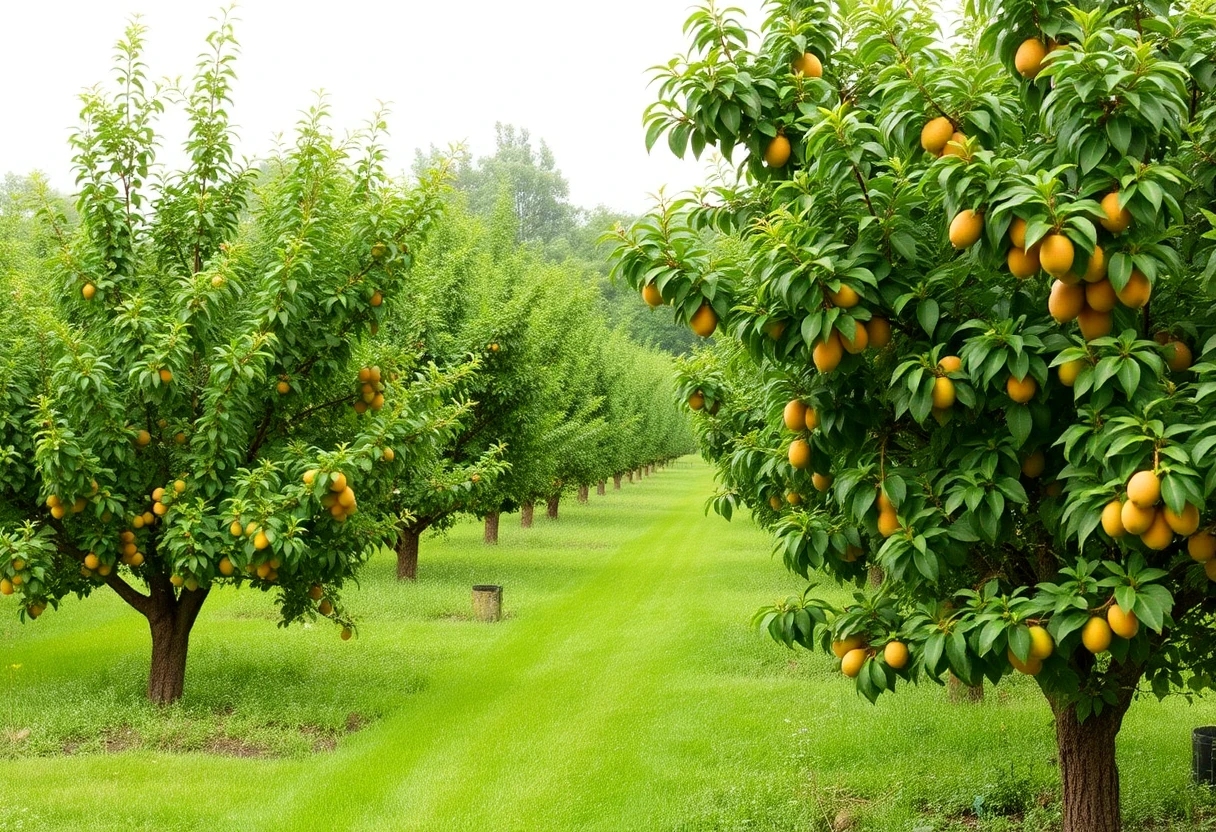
[166,375]
[157,493]
[775,503]
[950,364]
[1185,523]
[1017,232]
[377,402]
[652,296]
[1137,519]
[1179,357]
[852,662]
[1070,370]
[159,509]
[1202,547]
[1041,643]
[1123,624]
[88,290]
[377,298]
[260,541]
[846,297]
[347,498]
[879,330]
[338,484]
[774,329]
[1144,489]
[861,340]
[822,482]
[966,228]
[346,633]
[812,418]
[895,654]
[1065,302]
[794,415]
[264,570]
[800,454]
[1034,464]
[1095,270]
[6,586]
[793,498]
[326,607]
[176,580]
[828,353]
[1031,667]
[1023,264]
[149,518]
[1029,58]
[283,387]
[389,454]
[943,392]
[143,438]
[310,475]
[1209,569]
[1112,519]
[884,502]
[138,521]
[696,401]
[179,438]
[1137,291]
[1094,324]
[1159,535]
[1115,219]
[888,523]
[843,646]
[778,152]
[1100,296]
[935,134]
[1021,390]
[91,561]
[809,65]
[226,568]
[1096,635]
[704,321]
[179,486]
[957,146]
[137,559]
[1056,254]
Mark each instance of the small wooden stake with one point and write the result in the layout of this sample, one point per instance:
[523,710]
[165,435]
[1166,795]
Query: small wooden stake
[487,602]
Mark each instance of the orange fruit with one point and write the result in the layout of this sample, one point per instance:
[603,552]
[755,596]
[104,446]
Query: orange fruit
[1023,264]
[1021,390]
[935,134]
[879,331]
[1056,254]
[1065,302]
[809,65]
[1136,519]
[966,228]
[1112,519]
[1137,291]
[1095,269]
[1144,489]
[652,296]
[1100,296]
[1029,58]
[828,353]
[1094,324]
[704,321]
[778,151]
[1116,220]
[794,415]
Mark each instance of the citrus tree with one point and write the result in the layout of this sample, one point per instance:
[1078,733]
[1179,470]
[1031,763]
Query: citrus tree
[969,282]
[176,381]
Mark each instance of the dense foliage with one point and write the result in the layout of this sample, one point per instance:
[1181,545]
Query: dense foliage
[897,257]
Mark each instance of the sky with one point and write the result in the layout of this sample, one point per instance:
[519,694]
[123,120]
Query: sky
[573,72]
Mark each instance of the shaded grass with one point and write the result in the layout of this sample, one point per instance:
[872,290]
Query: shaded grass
[624,691]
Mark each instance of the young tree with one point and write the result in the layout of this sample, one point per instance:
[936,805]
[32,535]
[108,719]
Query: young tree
[915,228]
[169,413]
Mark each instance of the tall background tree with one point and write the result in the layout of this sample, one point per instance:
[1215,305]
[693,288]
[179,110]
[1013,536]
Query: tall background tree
[897,260]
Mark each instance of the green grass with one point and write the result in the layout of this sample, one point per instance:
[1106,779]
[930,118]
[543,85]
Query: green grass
[624,692]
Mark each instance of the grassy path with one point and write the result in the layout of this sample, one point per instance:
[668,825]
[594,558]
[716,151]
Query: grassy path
[623,692]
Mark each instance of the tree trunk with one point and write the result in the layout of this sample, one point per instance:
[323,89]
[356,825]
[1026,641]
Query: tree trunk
[553,501]
[960,692]
[1088,771]
[582,493]
[599,489]
[492,528]
[170,619]
[525,515]
[616,482]
[629,474]
[407,553]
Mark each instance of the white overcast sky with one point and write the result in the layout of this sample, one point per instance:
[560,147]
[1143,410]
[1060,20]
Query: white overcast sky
[571,71]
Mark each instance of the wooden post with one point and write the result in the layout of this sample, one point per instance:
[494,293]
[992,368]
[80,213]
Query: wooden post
[487,602]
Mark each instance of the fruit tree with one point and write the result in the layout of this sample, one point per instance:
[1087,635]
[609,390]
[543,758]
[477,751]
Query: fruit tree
[971,281]
[174,412]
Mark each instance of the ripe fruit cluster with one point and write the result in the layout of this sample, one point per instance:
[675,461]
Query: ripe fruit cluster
[339,497]
[854,651]
[829,352]
[371,390]
[1141,515]
[939,137]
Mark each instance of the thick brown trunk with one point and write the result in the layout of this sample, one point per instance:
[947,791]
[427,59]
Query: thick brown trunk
[407,554]
[492,528]
[616,482]
[1088,771]
[170,619]
[599,489]
[582,493]
[552,508]
[526,511]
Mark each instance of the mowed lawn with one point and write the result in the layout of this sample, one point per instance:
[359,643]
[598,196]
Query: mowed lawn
[625,691]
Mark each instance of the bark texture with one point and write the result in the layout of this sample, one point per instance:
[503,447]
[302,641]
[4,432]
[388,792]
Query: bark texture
[526,511]
[616,482]
[170,618]
[552,507]
[407,553]
[599,489]
[582,493]
[491,536]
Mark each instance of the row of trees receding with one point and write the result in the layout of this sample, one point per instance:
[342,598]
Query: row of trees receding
[259,374]
[960,291]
